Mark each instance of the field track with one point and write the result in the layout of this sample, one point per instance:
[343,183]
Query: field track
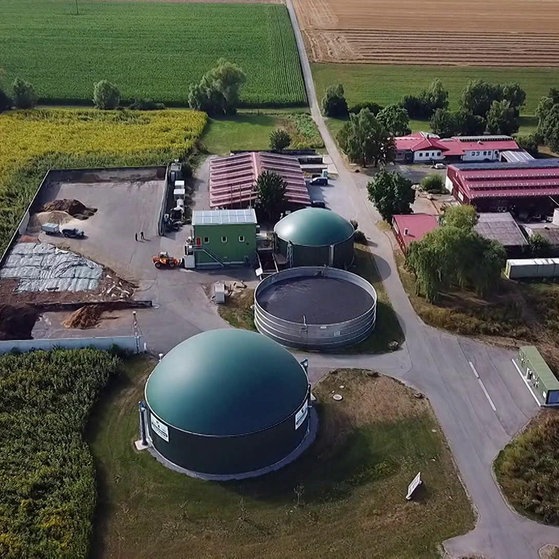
[478,33]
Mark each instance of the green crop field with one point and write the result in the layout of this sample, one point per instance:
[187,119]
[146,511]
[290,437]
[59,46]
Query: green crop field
[149,49]
[388,84]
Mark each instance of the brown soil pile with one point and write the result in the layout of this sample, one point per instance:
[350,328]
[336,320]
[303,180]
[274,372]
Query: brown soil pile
[85,317]
[74,207]
[17,321]
[41,218]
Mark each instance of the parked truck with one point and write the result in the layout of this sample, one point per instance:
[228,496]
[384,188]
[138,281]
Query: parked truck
[55,229]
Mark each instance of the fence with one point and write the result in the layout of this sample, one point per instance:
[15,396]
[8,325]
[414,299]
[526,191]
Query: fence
[133,344]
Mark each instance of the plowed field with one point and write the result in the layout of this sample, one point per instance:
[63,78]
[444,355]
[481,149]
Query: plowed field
[478,32]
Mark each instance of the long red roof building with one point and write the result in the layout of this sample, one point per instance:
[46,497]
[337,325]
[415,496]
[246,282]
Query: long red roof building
[232,178]
[531,186]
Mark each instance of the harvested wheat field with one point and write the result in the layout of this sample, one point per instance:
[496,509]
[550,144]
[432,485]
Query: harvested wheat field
[477,33]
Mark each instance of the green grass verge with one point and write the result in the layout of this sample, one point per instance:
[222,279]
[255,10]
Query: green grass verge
[389,329]
[149,49]
[351,482]
[386,84]
[527,470]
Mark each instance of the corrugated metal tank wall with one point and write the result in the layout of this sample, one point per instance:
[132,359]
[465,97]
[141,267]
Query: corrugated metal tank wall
[319,256]
[230,455]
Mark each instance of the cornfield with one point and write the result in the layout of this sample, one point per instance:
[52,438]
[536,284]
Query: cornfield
[34,141]
[149,49]
[47,475]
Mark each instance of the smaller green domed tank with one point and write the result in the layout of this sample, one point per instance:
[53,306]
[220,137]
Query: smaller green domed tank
[315,237]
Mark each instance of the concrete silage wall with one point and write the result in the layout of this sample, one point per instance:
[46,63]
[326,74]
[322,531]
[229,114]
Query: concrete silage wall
[127,343]
[315,336]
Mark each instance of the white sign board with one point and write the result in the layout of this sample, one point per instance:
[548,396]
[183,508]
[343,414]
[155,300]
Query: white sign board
[301,415]
[160,428]
[416,482]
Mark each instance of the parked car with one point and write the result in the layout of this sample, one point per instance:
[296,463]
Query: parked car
[439,166]
[319,181]
[73,233]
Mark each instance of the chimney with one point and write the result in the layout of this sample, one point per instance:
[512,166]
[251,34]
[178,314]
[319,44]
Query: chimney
[406,231]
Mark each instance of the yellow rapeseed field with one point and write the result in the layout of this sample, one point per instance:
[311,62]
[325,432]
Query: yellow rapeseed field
[36,140]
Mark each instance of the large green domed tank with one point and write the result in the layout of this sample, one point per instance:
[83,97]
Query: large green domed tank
[315,237]
[226,402]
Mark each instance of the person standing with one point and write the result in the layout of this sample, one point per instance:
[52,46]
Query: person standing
[142,236]
[136,237]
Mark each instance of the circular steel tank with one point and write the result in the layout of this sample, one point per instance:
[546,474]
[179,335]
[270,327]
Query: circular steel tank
[315,237]
[315,307]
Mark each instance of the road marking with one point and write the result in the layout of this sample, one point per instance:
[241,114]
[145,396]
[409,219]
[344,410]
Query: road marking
[483,387]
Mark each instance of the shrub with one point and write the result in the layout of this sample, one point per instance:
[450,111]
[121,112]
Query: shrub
[106,95]
[146,105]
[5,101]
[433,184]
[375,108]
[279,139]
[24,94]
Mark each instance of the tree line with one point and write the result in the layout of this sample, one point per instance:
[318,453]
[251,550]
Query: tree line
[217,93]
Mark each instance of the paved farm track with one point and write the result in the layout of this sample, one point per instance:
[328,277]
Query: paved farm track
[491,33]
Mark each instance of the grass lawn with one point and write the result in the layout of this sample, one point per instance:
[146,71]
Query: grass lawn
[249,130]
[352,484]
[385,84]
[238,312]
[518,313]
[527,470]
[149,49]
[389,329]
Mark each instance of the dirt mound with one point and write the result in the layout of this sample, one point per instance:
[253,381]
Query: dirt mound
[41,218]
[28,239]
[85,317]
[17,321]
[73,207]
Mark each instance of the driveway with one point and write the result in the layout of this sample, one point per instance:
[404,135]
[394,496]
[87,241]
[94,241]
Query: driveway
[478,419]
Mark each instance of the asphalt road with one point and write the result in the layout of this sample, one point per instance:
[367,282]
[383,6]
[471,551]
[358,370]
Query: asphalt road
[478,418]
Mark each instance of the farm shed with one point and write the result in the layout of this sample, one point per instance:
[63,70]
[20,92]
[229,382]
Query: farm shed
[232,179]
[222,237]
[412,227]
[227,403]
[538,375]
[502,227]
[315,237]
[524,189]
[424,147]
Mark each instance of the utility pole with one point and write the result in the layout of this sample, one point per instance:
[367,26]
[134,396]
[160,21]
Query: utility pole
[77,8]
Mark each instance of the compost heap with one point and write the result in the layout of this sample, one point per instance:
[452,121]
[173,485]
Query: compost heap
[71,206]
[87,316]
[17,321]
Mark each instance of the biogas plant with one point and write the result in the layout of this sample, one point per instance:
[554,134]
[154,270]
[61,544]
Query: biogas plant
[228,404]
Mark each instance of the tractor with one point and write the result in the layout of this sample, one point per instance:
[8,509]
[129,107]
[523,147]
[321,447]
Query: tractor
[163,260]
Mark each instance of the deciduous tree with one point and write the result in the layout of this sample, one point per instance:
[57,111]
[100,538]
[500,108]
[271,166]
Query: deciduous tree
[24,94]
[395,119]
[502,118]
[391,193]
[334,103]
[365,140]
[462,217]
[106,95]
[271,191]
[279,139]
[218,92]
